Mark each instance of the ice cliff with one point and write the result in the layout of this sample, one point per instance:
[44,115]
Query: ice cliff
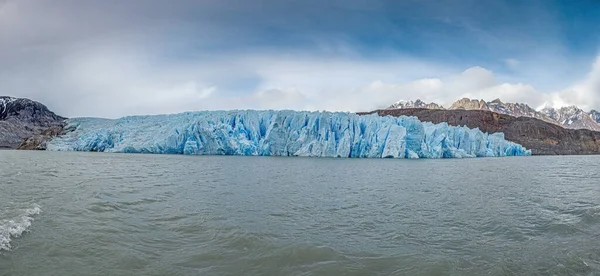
[282,133]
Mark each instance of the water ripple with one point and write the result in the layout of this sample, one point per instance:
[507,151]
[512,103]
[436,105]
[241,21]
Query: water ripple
[111,214]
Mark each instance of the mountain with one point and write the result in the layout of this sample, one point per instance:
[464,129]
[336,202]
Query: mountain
[512,109]
[469,104]
[542,138]
[570,117]
[21,119]
[415,104]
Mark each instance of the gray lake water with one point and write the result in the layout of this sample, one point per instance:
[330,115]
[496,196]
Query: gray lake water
[120,214]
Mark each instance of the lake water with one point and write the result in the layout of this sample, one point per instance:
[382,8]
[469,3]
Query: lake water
[121,214]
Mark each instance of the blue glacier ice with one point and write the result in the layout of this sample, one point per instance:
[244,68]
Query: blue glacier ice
[282,133]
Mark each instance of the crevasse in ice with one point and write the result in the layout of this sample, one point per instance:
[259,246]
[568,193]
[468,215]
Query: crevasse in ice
[282,133]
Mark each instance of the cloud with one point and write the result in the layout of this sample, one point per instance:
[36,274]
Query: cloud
[117,77]
[110,82]
[586,92]
[290,98]
[475,82]
[117,80]
[115,58]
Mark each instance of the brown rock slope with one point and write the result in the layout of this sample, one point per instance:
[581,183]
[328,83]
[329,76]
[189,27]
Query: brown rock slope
[39,141]
[541,137]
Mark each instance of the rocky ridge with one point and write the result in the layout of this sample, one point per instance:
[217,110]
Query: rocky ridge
[570,117]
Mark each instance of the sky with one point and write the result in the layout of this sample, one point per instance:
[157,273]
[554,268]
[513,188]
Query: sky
[113,58]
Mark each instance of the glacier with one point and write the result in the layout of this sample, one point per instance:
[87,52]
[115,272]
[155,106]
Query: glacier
[282,133]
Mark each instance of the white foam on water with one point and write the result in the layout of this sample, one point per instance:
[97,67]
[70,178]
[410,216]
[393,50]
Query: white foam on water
[17,225]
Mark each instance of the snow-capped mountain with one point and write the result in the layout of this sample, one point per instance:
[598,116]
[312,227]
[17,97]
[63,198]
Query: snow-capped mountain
[414,104]
[21,109]
[23,118]
[568,117]
[572,117]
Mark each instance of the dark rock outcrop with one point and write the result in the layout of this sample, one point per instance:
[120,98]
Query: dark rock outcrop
[22,119]
[541,137]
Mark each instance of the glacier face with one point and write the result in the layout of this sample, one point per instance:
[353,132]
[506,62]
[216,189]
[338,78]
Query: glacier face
[282,133]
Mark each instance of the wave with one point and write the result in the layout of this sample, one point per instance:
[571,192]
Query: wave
[17,225]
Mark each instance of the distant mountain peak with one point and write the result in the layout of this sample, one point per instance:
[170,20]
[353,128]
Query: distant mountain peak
[470,104]
[571,117]
[418,103]
[497,101]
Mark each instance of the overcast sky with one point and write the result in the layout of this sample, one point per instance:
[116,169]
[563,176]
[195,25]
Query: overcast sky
[112,58]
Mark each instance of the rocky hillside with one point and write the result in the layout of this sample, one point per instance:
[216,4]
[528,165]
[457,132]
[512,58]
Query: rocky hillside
[541,137]
[21,119]
[512,109]
[570,117]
